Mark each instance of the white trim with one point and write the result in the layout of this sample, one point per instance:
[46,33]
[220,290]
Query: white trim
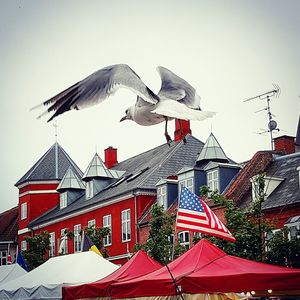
[38,192]
[83,211]
[111,258]
[24,230]
[37,182]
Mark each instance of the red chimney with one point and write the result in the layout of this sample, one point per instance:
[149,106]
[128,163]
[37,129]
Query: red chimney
[110,154]
[285,144]
[180,133]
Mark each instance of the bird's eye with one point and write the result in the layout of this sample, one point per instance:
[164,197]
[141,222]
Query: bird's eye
[126,111]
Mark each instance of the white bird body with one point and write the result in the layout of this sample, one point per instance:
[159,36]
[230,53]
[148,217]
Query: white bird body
[175,99]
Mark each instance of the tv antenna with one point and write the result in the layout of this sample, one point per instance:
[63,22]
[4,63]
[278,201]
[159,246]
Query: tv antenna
[272,124]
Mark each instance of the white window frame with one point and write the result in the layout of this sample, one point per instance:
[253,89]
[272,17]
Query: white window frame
[3,257]
[107,240]
[52,244]
[162,196]
[24,245]
[63,242]
[77,238]
[126,225]
[184,238]
[188,183]
[89,190]
[212,179]
[92,223]
[24,211]
[295,226]
[63,200]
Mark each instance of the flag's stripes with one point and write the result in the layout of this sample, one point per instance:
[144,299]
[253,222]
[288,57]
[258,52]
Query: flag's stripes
[195,215]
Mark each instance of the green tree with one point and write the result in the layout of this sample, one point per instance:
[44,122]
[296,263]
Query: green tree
[159,244]
[97,234]
[37,249]
[248,227]
[282,251]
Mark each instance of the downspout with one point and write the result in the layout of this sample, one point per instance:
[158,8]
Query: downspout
[135,219]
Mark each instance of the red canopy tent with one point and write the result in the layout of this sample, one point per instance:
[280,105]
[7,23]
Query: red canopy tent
[140,264]
[207,269]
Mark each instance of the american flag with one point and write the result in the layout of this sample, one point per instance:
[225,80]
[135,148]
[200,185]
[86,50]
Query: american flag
[194,215]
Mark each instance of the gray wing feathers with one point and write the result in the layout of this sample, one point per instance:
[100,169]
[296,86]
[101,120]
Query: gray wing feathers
[96,88]
[175,88]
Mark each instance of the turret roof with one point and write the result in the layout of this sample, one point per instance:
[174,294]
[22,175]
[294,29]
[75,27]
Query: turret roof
[51,166]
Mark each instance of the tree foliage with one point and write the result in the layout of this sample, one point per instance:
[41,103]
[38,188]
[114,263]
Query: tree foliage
[97,234]
[159,244]
[250,228]
[37,249]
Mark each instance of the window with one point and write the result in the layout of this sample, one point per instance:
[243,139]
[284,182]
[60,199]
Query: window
[268,237]
[63,245]
[213,180]
[23,245]
[89,192]
[107,240]
[92,223]
[162,196]
[63,200]
[77,238]
[52,244]
[3,257]
[184,239]
[23,211]
[125,216]
[188,183]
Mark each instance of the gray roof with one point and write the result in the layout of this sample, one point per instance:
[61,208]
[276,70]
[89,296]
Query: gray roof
[97,168]
[212,151]
[288,191]
[51,166]
[70,181]
[142,172]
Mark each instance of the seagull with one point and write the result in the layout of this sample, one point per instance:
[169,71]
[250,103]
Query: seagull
[175,99]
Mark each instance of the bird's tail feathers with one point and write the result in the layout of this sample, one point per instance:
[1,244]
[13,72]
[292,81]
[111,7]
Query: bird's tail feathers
[174,109]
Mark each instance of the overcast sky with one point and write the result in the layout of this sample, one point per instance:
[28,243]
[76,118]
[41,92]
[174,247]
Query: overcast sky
[228,50]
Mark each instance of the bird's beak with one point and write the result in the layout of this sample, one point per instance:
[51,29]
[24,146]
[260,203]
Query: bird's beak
[123,119]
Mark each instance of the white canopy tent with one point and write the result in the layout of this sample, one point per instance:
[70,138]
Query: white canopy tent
[10,272]
[46,281]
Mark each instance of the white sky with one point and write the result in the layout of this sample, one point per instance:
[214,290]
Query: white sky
[228,50]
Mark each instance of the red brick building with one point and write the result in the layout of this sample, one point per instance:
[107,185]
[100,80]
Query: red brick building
[55,195]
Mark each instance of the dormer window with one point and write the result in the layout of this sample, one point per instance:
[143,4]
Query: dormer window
[63,200]
[162,196]
[212,178]
[188,183]
[89,192]
[271,183]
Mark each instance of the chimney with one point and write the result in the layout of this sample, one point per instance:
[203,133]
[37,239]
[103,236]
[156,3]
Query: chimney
[285,143]
[180,133]
[110,154]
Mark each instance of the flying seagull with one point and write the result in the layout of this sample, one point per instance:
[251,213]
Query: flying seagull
[175,99]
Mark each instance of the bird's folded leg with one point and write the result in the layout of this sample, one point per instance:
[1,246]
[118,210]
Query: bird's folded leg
[168,138]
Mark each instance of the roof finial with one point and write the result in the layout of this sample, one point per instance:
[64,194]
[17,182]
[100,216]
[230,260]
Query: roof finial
[55,126]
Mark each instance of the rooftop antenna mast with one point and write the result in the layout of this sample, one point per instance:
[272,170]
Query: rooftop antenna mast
[272,124]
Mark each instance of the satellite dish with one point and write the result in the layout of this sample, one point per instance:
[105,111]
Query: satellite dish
[272,125]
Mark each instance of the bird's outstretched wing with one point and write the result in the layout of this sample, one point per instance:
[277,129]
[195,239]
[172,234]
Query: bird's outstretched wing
[96,88]
[175,88]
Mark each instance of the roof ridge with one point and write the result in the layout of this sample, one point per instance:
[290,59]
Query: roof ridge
[37,164]
[71,160]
